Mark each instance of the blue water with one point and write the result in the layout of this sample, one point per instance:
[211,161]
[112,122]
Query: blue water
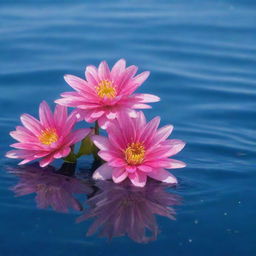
[202,58]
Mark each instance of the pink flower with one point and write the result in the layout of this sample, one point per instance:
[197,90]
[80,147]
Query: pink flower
[105,94]
[135,149]
[122,209]
[48,138]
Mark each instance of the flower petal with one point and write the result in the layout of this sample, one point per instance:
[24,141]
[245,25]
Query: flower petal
[46,160]
[138,178]
[60,115]
[103,71]
[140,78]
[101,142]
[119,175]
[118,68]
[104,172]
[78,84]
[131,169]
[175,146]
[31,124]
[163,175]
[77,136]
[145,168]
[146,98]
[46,116]
[150,130]
[62,152]
[103,122]
[106,155]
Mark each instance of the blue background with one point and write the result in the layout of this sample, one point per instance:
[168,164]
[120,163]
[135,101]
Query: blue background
[202,58]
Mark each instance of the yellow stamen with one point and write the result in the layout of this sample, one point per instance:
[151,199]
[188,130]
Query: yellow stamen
[106,89]
[48,136]
[134,153]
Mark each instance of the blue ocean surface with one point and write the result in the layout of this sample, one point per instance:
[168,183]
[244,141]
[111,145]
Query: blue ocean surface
[202,59]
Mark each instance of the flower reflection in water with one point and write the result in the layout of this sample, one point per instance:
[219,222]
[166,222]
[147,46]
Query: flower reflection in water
[52,188]
[118,209]
[122,209]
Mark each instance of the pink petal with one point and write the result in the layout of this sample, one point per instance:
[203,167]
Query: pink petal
[175,164]
[119,175]
[103,71]
[140,124]
[103,122]
[131,169]
[138,178]
[62,152]
[145,168]
[70,122]
[87,115]
[87,95]
[41,154]
[150,130]
[46,116]
[163,175]
[23,136]
[101,142]
[128,74]
[27,160]
[175,146]
[77,136]
[46,161]
[165,163]
[132,113]
[104,172]
[97,114]
[76,82]
[162,134]
[27,146]
[111,114]
[106,155]
[91,74]
[31,124]
[146,98]
[117,162]
[117,69]
[60,115]
[127,127]
[71,102]
[139,79]
[18,154]
[141,106]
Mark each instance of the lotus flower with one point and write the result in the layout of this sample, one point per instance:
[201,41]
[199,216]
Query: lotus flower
[135,149]
[48,138]
[105,94]
[122,209]
[52,189]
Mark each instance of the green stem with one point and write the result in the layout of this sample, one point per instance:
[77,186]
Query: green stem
[95,149]
[97,128]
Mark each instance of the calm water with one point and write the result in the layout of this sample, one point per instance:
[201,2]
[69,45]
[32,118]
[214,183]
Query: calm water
[202,58]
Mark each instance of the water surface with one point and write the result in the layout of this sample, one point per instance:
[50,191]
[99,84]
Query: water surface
[202,58]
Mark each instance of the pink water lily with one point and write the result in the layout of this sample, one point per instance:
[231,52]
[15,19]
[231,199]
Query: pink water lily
[135,149]
[105,94]
[48,138]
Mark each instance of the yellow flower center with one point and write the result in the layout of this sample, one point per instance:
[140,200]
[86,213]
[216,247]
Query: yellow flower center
[106,89]
[134,153]
[48,136]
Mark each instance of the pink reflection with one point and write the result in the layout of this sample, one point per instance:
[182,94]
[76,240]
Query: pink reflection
[123,209]
[52,189]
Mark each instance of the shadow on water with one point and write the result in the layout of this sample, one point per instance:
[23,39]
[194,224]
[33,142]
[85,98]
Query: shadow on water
[115,209]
